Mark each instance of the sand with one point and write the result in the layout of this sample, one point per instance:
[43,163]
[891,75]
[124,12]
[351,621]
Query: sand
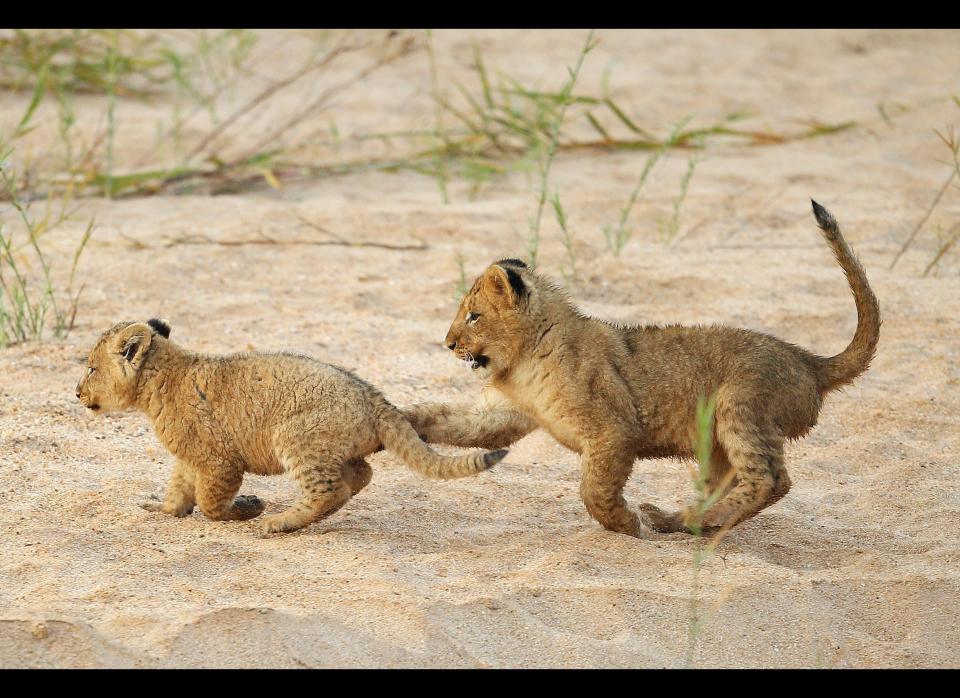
[859,566]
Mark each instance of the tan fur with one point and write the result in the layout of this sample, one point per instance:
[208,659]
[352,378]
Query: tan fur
[614,393]
[222,416]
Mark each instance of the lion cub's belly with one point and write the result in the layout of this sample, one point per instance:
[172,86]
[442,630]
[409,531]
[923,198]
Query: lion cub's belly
[267,465]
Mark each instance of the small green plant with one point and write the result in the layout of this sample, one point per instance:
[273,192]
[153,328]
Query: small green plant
[440,165]
[670,227]
[705,498]
[550,150]
[79,60]
[953,145]
[569,274]
[617,237]
[111,78]
[945,241]
[28,304]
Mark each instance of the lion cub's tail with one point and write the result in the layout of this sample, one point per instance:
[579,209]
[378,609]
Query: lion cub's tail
[399,436]
[841,369]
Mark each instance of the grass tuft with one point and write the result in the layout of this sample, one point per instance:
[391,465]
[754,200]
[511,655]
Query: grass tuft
[705,498]
[569,274]
[562,100]
[670,227]
[952,143]
[618,237]
[30,301]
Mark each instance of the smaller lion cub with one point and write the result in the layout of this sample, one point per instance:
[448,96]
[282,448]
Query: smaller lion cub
[222,416]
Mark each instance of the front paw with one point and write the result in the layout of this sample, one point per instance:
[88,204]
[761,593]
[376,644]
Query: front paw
[165,508]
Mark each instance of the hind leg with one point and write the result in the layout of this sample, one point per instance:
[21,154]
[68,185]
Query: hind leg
[755,451]
[781,485]
[357,473]
[722,474]
[722,477]
[324,488]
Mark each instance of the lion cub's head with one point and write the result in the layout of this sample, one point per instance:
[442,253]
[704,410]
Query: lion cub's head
[109,382]
[496,318]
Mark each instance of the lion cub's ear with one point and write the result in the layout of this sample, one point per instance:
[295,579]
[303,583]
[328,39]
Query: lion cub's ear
[160,326]
[133,341]
[505,283]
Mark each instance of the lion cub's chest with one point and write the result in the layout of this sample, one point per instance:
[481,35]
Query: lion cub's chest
[545,402]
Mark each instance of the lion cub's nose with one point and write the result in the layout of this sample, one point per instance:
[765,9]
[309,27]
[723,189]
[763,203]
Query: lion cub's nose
[451,345]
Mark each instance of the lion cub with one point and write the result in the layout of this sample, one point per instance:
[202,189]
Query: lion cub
[614,394]
[222,416]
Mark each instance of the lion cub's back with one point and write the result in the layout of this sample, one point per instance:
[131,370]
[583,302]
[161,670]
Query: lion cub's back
[298,386]
[304,380]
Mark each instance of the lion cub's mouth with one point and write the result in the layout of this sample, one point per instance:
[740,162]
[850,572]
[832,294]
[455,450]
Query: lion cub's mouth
[475,360]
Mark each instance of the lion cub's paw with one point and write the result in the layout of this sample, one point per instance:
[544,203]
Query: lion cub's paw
[248,506]
[278,523]
[154,504]
[660,520]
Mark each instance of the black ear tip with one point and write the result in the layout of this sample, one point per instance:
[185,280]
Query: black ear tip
[161,327]
[516,283]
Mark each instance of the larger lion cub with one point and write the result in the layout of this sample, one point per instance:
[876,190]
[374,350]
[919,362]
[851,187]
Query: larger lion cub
[614,393]
[222,416]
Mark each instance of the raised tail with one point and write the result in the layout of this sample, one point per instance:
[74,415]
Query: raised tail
[839,370]
[399,436]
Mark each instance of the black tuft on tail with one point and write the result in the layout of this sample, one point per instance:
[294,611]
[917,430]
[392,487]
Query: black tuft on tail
[824,219]
[493,457]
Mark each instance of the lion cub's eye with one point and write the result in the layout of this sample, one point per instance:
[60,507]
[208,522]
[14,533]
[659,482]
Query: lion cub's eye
[90,370]
[472,318]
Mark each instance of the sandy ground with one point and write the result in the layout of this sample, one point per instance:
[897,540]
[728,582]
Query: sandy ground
[859,566]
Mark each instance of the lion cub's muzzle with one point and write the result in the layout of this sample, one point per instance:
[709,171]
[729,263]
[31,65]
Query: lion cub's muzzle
[475,360]
[89,405]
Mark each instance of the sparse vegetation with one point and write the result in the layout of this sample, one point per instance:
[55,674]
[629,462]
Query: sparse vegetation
[549,149]
[619,236]
[944,241]
[30,299]
[569,274]
[196,76]
[670,226]
[503,125]
[705,498]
